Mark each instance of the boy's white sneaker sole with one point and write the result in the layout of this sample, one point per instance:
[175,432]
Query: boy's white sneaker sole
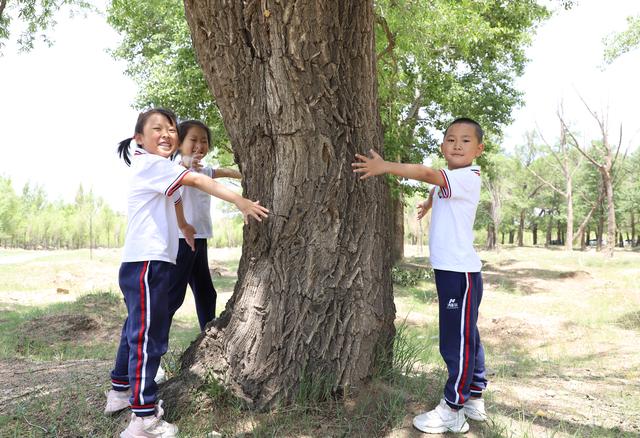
[441,429]
[441,419]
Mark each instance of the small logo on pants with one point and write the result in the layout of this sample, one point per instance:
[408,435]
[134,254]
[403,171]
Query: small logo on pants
[452,305]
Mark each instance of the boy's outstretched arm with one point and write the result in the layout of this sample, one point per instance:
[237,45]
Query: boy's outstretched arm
[208,185]
[375,166]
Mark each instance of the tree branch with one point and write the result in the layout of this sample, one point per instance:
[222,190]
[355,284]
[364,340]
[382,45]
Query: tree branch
[391,37]
[576,144]
[615,158]
[545,182]
[550,149]
[535,191]
[415,108]
[587,218]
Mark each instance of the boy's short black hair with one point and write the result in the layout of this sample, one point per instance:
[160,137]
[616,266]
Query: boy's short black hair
[468,121]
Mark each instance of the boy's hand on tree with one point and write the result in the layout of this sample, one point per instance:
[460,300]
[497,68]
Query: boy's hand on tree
[373,166]
[252,209]
[189,235]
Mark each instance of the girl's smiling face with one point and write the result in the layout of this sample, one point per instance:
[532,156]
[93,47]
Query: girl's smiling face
[159,136]
[195,142]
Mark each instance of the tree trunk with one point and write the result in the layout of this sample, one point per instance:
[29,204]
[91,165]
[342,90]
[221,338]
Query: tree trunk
[521,228]
[600,230]
[611,212]
[549,231]
[633,229]
[495,207]
[512,235]
[491,237]
[569,191]
[502,237]
[296,87]
[534,231]
[397,232]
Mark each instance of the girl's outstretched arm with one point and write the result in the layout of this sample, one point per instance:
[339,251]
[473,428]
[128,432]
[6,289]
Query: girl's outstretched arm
[375,166]
[208,185]
[187,229]
[224,172]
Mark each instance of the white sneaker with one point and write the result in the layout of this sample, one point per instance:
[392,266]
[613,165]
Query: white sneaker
[152,426]
[161,376]
[474,409]
[116,401]
[441,419]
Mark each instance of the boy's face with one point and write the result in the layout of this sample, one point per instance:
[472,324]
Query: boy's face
[195,142]
[461,145]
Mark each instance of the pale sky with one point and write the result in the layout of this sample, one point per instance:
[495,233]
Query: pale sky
[64,108]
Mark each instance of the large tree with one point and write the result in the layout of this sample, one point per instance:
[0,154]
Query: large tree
[296,87]
[435,59]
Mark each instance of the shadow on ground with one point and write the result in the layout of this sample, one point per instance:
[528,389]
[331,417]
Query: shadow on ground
[524,281]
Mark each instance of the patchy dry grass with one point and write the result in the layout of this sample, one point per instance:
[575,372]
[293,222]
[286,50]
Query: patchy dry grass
[559,331]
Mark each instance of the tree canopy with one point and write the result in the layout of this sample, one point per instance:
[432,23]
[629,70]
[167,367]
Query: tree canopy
[624,41]
[436,60]
[35,17]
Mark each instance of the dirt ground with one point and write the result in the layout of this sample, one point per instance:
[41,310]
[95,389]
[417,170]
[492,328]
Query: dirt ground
[562,340]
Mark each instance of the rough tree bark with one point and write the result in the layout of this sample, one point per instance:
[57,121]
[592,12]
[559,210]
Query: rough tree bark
[296,86]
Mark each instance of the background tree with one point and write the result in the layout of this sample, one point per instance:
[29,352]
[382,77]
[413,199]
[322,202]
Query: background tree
[605,165]
[565,165]
[35,17]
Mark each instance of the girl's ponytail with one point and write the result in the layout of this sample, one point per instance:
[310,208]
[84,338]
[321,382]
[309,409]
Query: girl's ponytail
[123,150]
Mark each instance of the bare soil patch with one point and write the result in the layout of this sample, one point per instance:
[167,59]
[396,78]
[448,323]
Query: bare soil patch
[24,381]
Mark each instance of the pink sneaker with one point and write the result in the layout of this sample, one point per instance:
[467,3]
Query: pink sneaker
[152,426]
[116,401]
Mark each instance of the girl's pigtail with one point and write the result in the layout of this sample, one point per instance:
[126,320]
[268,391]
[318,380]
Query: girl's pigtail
[123,150]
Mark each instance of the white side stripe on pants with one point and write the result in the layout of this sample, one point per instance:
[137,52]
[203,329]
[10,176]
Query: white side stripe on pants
[462,322]
[146,332]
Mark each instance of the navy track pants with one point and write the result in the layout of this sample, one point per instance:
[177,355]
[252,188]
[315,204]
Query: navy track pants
[459,296]
[192,267]
[145,333]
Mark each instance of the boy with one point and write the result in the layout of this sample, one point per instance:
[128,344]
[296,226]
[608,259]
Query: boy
[457,269]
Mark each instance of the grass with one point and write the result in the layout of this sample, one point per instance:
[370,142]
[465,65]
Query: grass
[555,327]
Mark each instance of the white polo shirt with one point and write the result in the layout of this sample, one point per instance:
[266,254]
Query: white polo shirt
[152,228]
[452,217]
[197,208]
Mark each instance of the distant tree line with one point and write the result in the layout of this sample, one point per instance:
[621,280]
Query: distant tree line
[30,220]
